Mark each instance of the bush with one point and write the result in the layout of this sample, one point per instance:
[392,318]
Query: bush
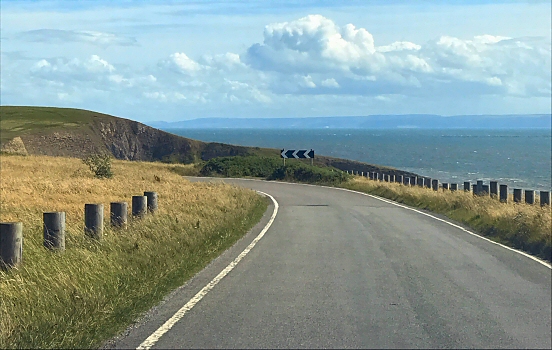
[240,166]
[272,169]
[309,174]
[99,164]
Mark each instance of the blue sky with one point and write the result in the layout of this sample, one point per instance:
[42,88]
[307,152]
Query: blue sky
[178,60]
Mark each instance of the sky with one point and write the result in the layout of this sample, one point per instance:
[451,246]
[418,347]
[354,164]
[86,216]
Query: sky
[180,60]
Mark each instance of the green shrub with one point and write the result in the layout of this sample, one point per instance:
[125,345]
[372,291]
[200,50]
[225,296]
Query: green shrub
[272,169]
[99,164]
[309,174]
[240,166]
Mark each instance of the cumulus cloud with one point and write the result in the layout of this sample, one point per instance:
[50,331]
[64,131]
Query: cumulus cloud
[76,80]
[64,69]
[308,61]
[318,48]
[59,36]
[179,61]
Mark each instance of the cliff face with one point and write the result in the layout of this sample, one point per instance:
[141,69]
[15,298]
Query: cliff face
[124,139]
[130,140]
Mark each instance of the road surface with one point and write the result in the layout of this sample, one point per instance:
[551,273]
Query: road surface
[338,269]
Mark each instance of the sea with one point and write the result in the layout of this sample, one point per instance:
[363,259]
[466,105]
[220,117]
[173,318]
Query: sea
[518,158]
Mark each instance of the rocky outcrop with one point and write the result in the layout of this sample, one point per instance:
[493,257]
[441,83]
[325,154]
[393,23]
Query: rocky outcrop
[130,140]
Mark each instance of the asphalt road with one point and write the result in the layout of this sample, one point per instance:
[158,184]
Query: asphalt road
[343,270]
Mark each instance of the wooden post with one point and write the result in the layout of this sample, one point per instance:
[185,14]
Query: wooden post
[479,187]
[544,198]
[400,179]
[392,178]
[504,193]
[494,189]
[485,190]
[467,186]
[529,196]
[474,188]
[517,195]
[407,181]
[11,244]
[362,173]
[93,220]
[119,213]
[428,182]
[139,206]
[420,181]
[413,180]
[435,184]
[377,176]
[454,187]
[152,201]
[54,230]
[445,186]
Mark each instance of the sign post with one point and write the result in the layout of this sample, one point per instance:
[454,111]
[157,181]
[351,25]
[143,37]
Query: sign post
[301,153]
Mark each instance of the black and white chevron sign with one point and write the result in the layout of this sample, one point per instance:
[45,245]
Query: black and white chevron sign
[300,153]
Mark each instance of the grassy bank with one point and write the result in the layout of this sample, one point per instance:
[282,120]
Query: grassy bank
[522,226]
[93,290]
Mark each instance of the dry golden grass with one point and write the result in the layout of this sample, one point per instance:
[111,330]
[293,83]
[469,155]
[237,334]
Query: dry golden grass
[86,294]
[526,227]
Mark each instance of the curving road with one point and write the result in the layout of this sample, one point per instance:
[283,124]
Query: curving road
[338,269]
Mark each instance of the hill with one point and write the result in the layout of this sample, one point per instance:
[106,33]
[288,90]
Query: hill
[76,133]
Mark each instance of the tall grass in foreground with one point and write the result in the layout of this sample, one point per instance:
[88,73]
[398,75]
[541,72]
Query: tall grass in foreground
[522,226]
[93,290]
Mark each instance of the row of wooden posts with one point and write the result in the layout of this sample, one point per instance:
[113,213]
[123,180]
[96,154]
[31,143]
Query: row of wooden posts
[11,233]
[493,189]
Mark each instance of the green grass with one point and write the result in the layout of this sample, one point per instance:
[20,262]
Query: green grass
[17,120]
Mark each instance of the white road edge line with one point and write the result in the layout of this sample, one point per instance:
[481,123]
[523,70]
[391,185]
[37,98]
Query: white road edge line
[417,211]
[155,336]
[451,224]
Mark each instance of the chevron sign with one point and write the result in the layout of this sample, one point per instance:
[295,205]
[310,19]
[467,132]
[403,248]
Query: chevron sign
[300,153]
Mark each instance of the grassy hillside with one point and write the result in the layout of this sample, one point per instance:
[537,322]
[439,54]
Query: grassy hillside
[18,121]
[93,290]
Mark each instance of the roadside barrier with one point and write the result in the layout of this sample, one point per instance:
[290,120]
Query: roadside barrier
[493,189]
[11,233]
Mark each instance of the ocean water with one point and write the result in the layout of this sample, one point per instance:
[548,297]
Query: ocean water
[519,158]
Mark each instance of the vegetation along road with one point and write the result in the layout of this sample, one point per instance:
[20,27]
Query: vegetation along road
[340,269]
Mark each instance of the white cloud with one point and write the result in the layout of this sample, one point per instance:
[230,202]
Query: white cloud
[316,47]
[59,36]
[307,82]
[228,60]
[399,46]
[330,83]
[87,69]
[311,62]
[183,63]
